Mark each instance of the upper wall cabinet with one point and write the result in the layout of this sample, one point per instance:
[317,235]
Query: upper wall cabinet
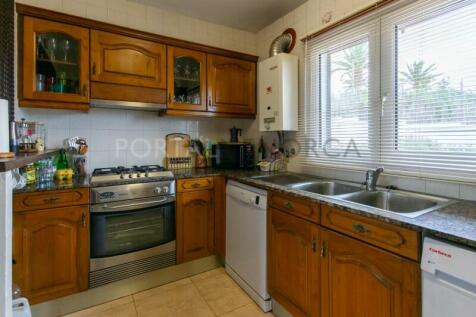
[231,85]
[55,66]
[186,82]
[127,68]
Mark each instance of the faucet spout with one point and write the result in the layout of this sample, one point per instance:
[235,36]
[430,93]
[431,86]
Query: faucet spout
[371,178]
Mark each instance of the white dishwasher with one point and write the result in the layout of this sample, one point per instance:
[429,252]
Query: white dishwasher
[245,259]
[448,280]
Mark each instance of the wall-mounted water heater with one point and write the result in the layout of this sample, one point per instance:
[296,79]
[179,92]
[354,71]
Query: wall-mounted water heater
[278,93]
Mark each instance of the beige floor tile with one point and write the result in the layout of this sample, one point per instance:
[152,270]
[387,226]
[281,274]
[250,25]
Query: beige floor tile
[222,294]
[162,289]
[250,310]
[182,300]
[122,307]
[208,274]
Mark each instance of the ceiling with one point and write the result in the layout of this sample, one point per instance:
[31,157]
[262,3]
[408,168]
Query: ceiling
[248,15]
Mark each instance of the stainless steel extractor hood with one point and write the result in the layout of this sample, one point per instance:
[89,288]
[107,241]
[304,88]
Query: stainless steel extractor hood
[128,105]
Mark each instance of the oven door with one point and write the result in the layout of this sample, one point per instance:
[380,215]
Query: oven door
[128,226]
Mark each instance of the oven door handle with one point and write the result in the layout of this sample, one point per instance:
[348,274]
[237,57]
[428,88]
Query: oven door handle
[128,207]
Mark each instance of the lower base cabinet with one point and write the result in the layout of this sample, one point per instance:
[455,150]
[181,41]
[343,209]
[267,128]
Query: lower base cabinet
[51,252]
[359,280]
[195,224]
[293,263]
[317,272]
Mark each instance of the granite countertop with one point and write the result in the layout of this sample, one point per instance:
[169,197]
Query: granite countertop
[455,222]
[77,182]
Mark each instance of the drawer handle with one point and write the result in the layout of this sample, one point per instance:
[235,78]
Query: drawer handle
[195,185]
[289,205]
[360,228]
[51,200]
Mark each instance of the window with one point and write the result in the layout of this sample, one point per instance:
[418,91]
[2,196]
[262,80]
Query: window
[341,118]
[409,105]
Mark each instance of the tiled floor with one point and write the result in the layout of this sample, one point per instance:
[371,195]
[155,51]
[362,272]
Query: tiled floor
[208,294]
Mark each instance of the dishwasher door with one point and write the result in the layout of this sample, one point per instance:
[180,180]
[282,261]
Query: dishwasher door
[448,280]
[246,240]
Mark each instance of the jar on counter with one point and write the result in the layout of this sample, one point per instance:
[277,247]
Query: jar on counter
[30,174]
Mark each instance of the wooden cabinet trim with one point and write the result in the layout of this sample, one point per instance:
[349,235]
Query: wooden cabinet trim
[396,239]
[28,224]
[302,261]
[216,91]
[27,10]
[348,260]
[201,58]
[194,242]
[184,185]
[33,25]
[296,206]
[109,65]
[50,199]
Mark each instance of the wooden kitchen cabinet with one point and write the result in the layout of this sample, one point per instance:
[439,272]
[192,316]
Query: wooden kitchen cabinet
[51,252]
[195,224]
[127,68]
[55,65]
[231,85]
[186,79]
[360,280]
[293,263]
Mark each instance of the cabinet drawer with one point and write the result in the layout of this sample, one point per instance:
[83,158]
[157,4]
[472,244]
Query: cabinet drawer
[390,237]
[187,185]
[48,199]
[299,207]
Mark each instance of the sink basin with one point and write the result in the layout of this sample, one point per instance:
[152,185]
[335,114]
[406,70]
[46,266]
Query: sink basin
[327,188]
[284,179]
[407,204]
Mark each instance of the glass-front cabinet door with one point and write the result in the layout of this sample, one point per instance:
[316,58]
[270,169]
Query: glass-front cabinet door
[55,64]
[186,87]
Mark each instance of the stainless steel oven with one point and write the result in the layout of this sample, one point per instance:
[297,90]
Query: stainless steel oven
[132,230]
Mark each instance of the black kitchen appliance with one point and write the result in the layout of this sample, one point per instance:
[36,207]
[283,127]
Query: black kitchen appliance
[233,155]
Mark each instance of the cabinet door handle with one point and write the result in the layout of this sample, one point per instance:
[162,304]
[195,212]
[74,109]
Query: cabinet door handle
[314,244]
[83,220]
[51,200]
[360,228]
[209,101]
[170,97]
[289,205]
[94,68]
[324,249]
[85,90]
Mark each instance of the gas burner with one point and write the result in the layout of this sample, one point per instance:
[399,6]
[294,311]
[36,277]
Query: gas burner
[126,175]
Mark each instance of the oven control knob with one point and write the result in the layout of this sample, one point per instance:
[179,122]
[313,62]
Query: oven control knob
[130,175]
[122,176]
[138,174]
[157,190]
[165,189]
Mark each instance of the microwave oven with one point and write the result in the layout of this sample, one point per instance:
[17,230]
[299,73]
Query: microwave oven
[233,155]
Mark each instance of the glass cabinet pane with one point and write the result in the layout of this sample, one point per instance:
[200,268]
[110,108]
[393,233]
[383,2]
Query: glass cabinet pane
[57,63]
[187,80]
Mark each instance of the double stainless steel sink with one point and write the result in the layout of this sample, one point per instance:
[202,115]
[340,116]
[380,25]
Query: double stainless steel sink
[400,202]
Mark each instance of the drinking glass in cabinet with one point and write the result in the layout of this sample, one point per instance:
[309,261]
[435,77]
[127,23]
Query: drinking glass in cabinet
[186,80]
[57,63]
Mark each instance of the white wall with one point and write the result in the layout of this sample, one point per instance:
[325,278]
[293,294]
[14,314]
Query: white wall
[307,19]
[143,131]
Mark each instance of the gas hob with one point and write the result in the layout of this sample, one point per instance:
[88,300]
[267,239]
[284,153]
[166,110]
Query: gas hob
[129,175]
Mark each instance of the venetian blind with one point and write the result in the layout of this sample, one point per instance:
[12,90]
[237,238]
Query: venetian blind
[397,91]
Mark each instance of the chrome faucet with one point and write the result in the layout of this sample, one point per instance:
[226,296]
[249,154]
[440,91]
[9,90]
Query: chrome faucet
[371,178]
